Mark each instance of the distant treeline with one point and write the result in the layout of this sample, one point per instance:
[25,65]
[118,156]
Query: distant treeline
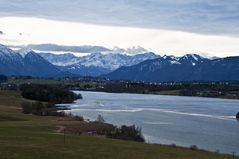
[48,93]
[144,87]
[219,89]
[210,89]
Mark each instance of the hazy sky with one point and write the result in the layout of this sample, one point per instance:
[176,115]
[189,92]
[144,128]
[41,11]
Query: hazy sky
[166,26]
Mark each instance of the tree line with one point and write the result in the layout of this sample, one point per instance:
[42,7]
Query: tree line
[55,94]
[44,98]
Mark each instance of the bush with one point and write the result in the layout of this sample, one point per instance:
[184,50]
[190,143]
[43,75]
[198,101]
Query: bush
[173,145]
[194,147]
[39,108]
[127,133]
[100,119]
[75,117]
[78,118]
[237,116]
[26,107]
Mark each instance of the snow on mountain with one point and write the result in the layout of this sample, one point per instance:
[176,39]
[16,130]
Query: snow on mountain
[25,63]
[61,59]
[5,50]
[94,59]
[186,68]
[140,67]
[23,52]
[192,59]
[9,56]
[95,63]
[109,61]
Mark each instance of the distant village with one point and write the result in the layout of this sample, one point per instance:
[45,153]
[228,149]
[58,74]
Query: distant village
[220,89]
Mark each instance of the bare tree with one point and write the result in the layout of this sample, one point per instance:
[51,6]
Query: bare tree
[100,119]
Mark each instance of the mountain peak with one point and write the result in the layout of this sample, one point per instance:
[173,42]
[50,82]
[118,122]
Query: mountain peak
[170,57]
[32,55]
[194,57]
[2,46]
[12,63]
[24,51]
[5,51]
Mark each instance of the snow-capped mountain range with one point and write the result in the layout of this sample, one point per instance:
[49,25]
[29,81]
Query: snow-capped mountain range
[96,60]
[186,68]
[96,63]
[118,66]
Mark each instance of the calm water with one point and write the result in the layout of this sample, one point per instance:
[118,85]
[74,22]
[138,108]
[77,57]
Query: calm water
[208,123]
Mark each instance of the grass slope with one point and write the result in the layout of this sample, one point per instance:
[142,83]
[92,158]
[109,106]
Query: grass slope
[34,137]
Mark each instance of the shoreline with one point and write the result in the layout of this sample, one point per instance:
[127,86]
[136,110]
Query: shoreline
[164,94]
[192,147]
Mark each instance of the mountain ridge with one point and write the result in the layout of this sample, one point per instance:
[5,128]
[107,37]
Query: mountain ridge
[185,68]
[147,66]
[31,64]
[95,64]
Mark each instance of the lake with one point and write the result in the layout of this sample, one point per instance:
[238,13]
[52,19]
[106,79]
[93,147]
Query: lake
[208,123]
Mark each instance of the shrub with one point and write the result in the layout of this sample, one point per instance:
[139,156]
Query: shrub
[75,117]
[100,119]
[39,108]
[26,107]
[237,116]
[127,133]
[173,145]
[194,147]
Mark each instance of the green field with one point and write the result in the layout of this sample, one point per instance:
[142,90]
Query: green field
[34,137]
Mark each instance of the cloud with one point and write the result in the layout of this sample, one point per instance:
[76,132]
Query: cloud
[39,31]
[197,16]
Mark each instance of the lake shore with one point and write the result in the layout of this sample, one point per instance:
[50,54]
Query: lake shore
[169,93]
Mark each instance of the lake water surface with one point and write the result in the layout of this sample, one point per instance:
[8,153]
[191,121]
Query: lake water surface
[208,123]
